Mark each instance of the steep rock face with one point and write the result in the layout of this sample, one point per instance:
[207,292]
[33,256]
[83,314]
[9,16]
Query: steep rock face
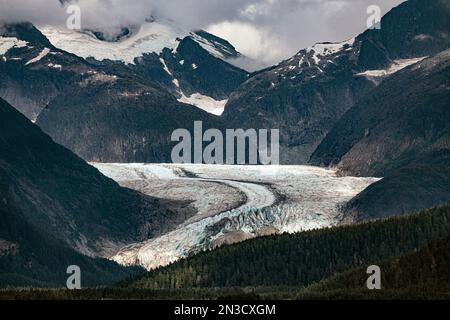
[119,120]
[198,66]
[58,194]
[403,119]
[303,107]
[307,94]
[416,28]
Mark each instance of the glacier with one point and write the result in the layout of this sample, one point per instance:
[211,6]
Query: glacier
[262,200]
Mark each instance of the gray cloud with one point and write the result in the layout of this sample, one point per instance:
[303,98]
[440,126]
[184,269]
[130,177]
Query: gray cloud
[265,30]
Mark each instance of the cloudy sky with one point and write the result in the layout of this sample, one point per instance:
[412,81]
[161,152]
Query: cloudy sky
[265,30]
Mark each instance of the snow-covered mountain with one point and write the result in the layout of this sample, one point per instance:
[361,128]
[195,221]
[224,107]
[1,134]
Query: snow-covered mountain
[150,37]
[153,36]
[133,93]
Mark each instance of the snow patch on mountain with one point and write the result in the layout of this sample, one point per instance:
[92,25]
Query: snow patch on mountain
[55,66]
[166,69]
[205,103]
[7,43]
[396,66]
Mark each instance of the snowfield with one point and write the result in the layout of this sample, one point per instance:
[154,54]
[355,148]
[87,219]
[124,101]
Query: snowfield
[395,67]
[234,203]
[150,37]
[322,50]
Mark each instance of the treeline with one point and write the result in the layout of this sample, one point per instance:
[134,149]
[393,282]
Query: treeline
[299,260]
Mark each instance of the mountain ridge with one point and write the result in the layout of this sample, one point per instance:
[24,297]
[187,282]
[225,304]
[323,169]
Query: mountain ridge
[58,194]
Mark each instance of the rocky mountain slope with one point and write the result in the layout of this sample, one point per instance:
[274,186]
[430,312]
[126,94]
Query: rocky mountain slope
[400,131]
[109,119]
[85,79]
[32,71]
[407,190]
[307,94]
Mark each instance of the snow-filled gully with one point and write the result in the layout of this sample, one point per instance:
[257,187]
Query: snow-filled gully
[265,200]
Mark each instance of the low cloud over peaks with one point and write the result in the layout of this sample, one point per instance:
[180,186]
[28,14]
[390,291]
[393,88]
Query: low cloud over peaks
[267,31]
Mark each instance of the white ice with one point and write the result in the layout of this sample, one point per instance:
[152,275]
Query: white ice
[396,66]
[311,199]
[7,43]
[205,103]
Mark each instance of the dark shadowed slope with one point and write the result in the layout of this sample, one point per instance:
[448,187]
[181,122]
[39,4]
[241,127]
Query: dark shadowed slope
[407,190]
[32,258]
[58,194]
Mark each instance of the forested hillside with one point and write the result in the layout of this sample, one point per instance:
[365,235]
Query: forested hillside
[302,259]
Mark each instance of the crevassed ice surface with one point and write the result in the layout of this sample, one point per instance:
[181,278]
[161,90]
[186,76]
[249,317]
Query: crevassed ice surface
[208,104]
[234,203]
